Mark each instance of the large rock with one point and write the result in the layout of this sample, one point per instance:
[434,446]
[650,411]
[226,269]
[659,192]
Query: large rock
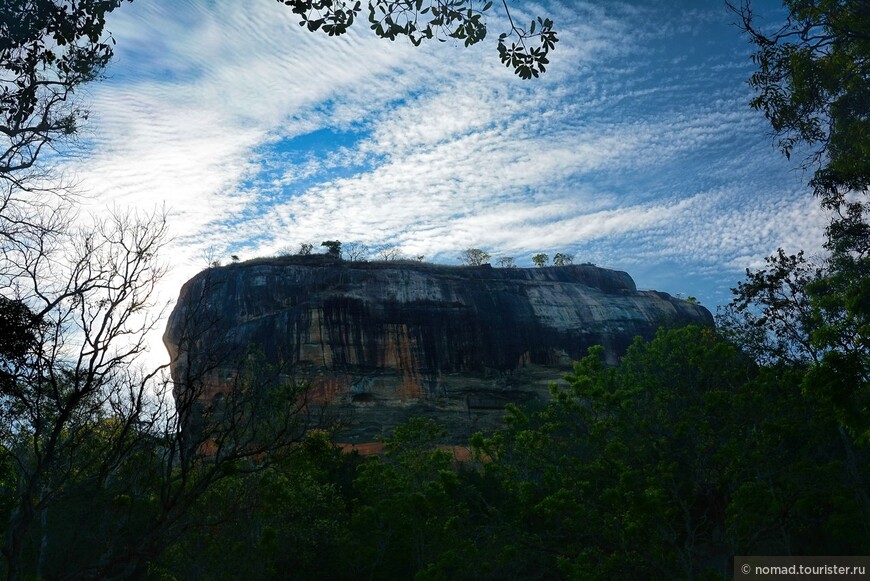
[381,342]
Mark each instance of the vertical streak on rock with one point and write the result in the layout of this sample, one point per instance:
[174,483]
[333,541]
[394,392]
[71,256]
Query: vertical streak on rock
[411,386]
[400,339]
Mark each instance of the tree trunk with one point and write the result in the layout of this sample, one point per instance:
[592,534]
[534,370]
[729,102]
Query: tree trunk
[20,523]
[854,472]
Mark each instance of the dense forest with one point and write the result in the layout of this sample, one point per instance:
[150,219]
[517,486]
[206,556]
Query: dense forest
[667,466]
[702,444]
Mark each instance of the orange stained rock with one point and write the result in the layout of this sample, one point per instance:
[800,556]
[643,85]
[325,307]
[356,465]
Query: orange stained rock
[460,453]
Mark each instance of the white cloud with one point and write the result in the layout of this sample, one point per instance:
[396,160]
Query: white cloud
[631,145]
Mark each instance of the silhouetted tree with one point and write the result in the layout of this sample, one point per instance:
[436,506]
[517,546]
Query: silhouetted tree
[561,259]
[333,247]
[48,50]
[388,253]
[474,257]
[662,465]
[420,20]
[355,251]
[812,85]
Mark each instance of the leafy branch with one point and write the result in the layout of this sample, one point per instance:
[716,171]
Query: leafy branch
[420,20]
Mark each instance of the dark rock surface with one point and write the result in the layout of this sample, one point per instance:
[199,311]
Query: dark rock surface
[384,341]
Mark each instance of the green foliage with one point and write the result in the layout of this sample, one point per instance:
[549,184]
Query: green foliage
[562,259]
[812,85]
[528,63]
[48,50]
[474,257]
[323,514]
[407,519]
[115,484]
[696,447]
[506,262]
[771,315]
[665,466]
[19,338]
[333,247]
[662,467]
[540,260]
[420,20]
[289,517]
[814,315]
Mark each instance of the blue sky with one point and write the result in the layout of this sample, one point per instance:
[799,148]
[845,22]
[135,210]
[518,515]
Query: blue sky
[637,149]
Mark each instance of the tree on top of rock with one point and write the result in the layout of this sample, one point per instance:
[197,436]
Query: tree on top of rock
[562,259]
[474,257]
[333,247]
[540,260]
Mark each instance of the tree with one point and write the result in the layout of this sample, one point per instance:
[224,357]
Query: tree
[813,85]
[20,327]
[410,520]
[771,315]
[305,249]
[540,260]
[98,455]
[333,247]
[74,369]
[389,253]
[249,519]
[474,257]
[660,467]
[49,49]
[561,259]
[92,451]
[506,262]
[355,251]
[418,21]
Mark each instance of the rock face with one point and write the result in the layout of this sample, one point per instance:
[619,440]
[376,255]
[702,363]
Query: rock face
[381,342]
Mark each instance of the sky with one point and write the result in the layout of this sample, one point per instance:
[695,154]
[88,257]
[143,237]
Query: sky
[636,150]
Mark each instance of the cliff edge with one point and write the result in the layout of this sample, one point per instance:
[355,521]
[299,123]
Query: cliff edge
[383,341]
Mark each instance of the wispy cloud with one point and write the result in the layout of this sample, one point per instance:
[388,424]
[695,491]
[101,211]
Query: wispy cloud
[636,148]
